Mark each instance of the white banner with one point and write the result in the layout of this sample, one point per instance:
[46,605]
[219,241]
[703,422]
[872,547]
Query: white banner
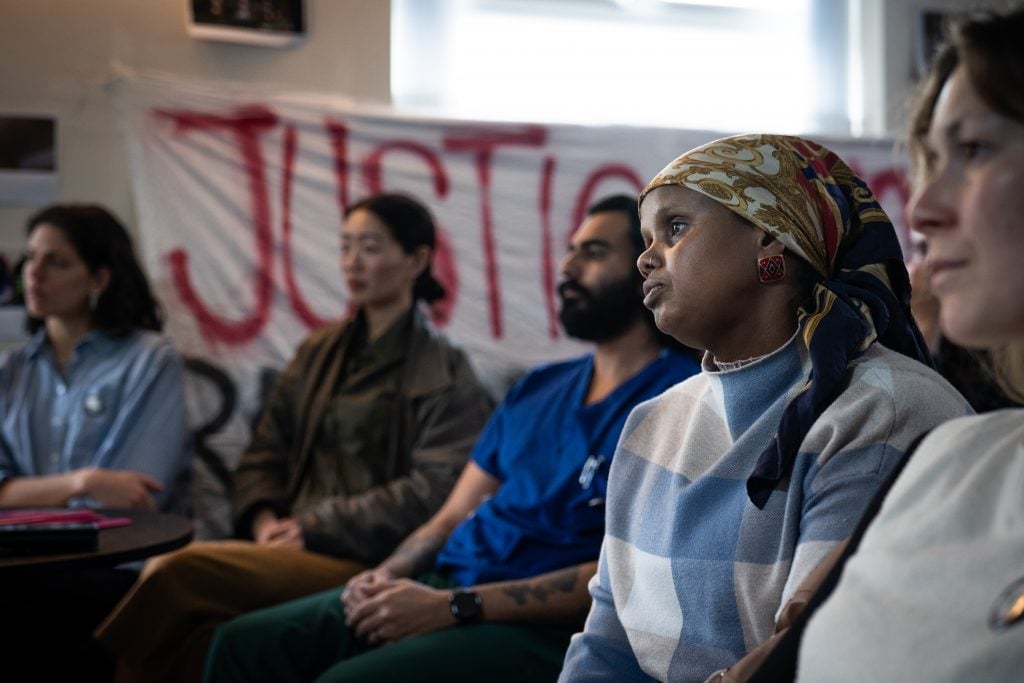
[239,195]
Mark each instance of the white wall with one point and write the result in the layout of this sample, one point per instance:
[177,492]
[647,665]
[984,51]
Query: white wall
[57,56]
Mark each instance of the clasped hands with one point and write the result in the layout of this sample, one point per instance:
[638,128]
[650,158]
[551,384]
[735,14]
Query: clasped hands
[382,609]
[269,529]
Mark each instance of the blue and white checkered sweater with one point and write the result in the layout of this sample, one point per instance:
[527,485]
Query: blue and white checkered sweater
[691,572]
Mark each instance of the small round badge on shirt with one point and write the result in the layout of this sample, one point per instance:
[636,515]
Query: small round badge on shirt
[1008,609]
[93,404]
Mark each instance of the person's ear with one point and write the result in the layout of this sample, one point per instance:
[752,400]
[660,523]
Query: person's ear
[100,281]
[769,246]
[421,259]
[771,263]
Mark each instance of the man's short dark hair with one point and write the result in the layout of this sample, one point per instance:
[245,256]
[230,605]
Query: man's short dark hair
[625,204]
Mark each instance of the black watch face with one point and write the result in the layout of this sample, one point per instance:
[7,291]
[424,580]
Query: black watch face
[465,605]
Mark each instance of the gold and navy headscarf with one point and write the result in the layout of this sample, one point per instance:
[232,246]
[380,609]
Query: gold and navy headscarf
[805,196]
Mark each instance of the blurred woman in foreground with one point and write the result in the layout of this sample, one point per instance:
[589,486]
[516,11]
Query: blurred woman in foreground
[935,590]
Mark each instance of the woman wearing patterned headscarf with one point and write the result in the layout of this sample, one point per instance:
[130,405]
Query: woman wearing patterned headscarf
[727,490]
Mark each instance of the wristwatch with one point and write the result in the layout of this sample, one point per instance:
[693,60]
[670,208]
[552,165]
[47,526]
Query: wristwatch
[466,606]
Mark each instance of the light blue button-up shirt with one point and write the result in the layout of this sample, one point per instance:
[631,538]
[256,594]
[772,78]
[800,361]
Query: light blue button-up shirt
[119,406]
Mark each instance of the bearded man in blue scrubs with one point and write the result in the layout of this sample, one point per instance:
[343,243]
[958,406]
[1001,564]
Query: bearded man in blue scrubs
[494,585]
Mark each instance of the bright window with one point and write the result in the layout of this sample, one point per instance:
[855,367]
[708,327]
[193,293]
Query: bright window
[725,65]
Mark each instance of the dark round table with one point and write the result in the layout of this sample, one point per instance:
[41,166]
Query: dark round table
[150,533]
[52,601]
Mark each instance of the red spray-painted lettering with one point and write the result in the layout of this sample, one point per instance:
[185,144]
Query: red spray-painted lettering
[482,143]
[246,125]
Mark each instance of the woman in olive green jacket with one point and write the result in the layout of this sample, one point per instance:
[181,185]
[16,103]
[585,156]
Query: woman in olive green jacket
[361,440]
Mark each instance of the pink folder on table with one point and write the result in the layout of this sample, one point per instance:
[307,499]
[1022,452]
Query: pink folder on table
[59,516]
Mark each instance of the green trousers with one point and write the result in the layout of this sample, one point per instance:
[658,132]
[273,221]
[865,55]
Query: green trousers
[307,640]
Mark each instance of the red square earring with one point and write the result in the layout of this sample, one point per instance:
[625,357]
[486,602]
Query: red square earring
[771,268]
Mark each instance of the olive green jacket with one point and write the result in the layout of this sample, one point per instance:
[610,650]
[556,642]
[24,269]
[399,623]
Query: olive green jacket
[442,409]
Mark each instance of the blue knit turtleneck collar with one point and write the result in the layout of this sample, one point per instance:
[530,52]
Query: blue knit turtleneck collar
[751,392]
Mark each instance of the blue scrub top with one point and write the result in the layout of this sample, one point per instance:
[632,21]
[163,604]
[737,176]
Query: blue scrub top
[551,454]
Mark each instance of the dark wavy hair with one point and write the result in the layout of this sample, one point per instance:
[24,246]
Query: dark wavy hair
[412,226]
[127,303]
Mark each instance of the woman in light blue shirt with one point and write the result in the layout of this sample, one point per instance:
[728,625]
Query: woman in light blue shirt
[91,409]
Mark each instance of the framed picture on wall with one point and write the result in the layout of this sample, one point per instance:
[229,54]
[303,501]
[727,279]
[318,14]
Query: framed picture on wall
[28,159]
[270,23]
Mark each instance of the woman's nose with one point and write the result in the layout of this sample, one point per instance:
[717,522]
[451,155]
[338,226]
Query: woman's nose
[32,270]
[646,261]
[932,205]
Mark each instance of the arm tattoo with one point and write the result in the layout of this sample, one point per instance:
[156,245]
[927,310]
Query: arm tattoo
[522,592]
[415,555]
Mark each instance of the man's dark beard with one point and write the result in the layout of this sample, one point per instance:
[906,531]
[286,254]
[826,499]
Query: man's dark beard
[600,314]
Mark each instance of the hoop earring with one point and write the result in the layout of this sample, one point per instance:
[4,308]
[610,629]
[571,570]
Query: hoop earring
[94,299]
[771,269]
